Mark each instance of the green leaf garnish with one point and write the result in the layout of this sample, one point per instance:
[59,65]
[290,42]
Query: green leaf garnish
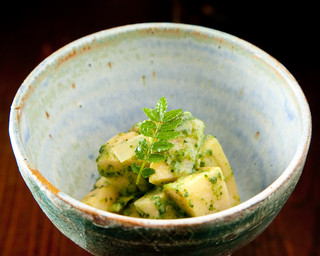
[147,127]
[172,114]
[161,107]
[135,168]
[156,158]
[161,145]
[141,150]
[167,135]
[147,172]
[160,128]
[170,125]
[152,114]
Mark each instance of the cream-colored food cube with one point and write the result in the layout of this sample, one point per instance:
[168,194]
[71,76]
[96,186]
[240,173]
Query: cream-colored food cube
[108,161]
[125,151]
[200,193]
[156,205]
[213,155]
[102,197]
[206,154]
[162,175]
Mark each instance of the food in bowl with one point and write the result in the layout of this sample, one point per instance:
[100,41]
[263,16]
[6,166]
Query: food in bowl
[165,167]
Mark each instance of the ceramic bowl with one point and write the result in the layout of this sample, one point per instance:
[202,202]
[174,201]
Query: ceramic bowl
[95,87]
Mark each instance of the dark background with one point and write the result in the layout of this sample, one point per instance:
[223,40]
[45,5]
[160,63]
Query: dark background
[32,30]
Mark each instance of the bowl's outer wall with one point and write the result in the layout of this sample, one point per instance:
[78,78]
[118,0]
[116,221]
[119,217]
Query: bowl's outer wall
[259,138]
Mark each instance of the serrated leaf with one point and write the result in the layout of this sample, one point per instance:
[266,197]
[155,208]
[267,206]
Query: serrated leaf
[140,153]
[172,114]
[152,114]
[143,143]
[146,131]
[167,135]
[141,149]
[135,168]
[161,145]
[148,124]
[161,107]
[147,172]
[170,125]
[155,158]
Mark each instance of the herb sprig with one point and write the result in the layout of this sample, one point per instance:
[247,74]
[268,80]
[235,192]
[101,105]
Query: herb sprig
[159,129]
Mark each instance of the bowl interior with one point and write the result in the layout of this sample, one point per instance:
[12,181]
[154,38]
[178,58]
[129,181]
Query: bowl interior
[96,87]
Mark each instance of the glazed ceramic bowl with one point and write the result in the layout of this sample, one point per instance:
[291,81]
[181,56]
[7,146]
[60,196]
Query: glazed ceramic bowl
[96,87]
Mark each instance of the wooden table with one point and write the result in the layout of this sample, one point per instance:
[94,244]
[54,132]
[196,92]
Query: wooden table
[29,38]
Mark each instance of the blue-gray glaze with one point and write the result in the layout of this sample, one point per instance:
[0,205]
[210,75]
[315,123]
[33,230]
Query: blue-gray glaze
[95,87]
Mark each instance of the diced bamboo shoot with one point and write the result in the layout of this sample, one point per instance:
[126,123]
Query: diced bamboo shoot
[108,163]
[162,174]
[101,198]
[201,193]
[125,151]
[219,158]
[155,205]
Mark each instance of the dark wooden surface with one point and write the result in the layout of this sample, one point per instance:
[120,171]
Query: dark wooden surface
[31,31]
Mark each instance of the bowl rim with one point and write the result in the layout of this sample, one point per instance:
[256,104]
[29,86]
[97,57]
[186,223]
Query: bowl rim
[104,218]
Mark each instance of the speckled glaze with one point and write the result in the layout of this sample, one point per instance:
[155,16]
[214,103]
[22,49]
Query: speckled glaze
[95,87]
